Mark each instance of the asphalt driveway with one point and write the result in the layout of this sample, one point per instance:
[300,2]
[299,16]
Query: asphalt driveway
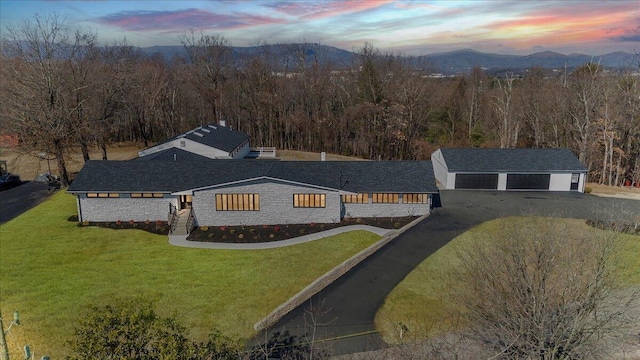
[17,200]
[342,314]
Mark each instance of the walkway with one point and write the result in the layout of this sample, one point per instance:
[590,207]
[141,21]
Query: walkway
[181,240]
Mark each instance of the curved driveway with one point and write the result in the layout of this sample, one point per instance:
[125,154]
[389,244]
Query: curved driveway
[344,319]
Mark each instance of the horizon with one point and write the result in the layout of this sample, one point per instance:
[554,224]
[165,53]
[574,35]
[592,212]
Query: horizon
[408,27]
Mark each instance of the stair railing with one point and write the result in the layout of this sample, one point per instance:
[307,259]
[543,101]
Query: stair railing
[190,221]
[173,218]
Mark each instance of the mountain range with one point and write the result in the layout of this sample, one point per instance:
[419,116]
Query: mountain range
[448,63]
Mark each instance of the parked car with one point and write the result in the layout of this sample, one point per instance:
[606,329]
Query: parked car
[8,181]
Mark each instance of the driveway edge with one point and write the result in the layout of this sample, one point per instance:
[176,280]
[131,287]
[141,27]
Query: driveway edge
[329,277]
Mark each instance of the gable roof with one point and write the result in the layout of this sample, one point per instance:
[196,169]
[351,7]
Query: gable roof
[511,160]
[213,135]
[175,176]
[172,154]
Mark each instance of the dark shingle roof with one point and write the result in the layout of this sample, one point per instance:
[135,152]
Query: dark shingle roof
[173,176]
[214,135]
[511,160]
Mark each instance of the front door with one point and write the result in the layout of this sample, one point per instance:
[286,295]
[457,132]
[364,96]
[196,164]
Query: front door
[185,201]
[575,180]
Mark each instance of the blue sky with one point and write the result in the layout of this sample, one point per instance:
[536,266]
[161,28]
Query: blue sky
[411,27]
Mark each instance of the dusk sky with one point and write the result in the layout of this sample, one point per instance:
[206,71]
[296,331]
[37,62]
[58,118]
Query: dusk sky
[410,27]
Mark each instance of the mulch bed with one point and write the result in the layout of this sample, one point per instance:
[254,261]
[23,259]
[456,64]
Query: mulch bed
[268,233]
[615,226]
[249,234]
[154,227]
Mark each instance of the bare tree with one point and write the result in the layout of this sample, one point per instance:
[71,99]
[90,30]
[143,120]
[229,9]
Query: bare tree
[41,95]
[537,289]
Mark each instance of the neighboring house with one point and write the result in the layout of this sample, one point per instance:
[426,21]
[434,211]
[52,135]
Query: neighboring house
[252,192]
[214,141]
[509,169]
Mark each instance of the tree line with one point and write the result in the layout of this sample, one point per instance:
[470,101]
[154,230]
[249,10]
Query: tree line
[62,90]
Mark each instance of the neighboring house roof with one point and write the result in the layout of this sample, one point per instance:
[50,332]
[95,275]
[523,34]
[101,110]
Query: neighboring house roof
[175,176]
[172,154]
[511,160]
[214,135]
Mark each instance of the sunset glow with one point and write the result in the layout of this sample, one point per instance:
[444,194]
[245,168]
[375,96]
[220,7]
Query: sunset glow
[409,26]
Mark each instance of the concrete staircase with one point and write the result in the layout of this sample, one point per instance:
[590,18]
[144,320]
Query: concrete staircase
[181,225]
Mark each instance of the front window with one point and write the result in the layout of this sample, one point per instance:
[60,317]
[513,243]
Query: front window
[237,202]
[386,198]
[415,198]
[361,198]
[309,200]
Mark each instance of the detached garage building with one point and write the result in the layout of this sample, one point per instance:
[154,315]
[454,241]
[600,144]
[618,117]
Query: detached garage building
[509,169]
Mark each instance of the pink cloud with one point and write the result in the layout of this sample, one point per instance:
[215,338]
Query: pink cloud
[183,19]
[324,9]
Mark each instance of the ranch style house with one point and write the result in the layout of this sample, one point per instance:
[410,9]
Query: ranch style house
[252,192]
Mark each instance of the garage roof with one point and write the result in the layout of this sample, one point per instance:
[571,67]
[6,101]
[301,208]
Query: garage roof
[511,160]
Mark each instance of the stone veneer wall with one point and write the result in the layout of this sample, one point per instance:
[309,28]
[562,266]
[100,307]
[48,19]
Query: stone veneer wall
[125,209]
[276,205]
[386,210]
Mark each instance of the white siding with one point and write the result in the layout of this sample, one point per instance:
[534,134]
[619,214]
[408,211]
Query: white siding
[191,146]
[440,170]
[560,182]
[502,181]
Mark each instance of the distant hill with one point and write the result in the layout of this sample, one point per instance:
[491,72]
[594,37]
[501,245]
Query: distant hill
[453,62]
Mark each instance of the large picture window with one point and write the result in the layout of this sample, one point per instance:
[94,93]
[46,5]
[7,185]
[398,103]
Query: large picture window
[309,200]
[238,202]
[386,198]
[361,198]
[415,198]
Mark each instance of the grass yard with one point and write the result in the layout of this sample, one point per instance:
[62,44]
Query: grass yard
[51,269]
[419,301]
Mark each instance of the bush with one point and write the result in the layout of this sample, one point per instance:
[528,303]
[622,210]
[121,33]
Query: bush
[588,189]
[131,329]
[204,228]
[232,231]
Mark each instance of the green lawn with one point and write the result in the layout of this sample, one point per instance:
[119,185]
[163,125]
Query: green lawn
[51,269]
[419,301]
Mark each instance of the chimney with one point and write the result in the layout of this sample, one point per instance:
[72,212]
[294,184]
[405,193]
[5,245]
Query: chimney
[223,123]
[323,156]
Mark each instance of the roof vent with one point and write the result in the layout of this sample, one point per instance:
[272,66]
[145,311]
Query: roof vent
[205,130]
[223,123]
[213,127]
[181,136]
[198,134]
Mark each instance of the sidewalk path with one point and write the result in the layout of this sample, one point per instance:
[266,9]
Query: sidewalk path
[181,240]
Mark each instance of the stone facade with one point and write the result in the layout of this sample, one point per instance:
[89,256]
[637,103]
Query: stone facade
[385,210]
[276,205]
[124,208]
